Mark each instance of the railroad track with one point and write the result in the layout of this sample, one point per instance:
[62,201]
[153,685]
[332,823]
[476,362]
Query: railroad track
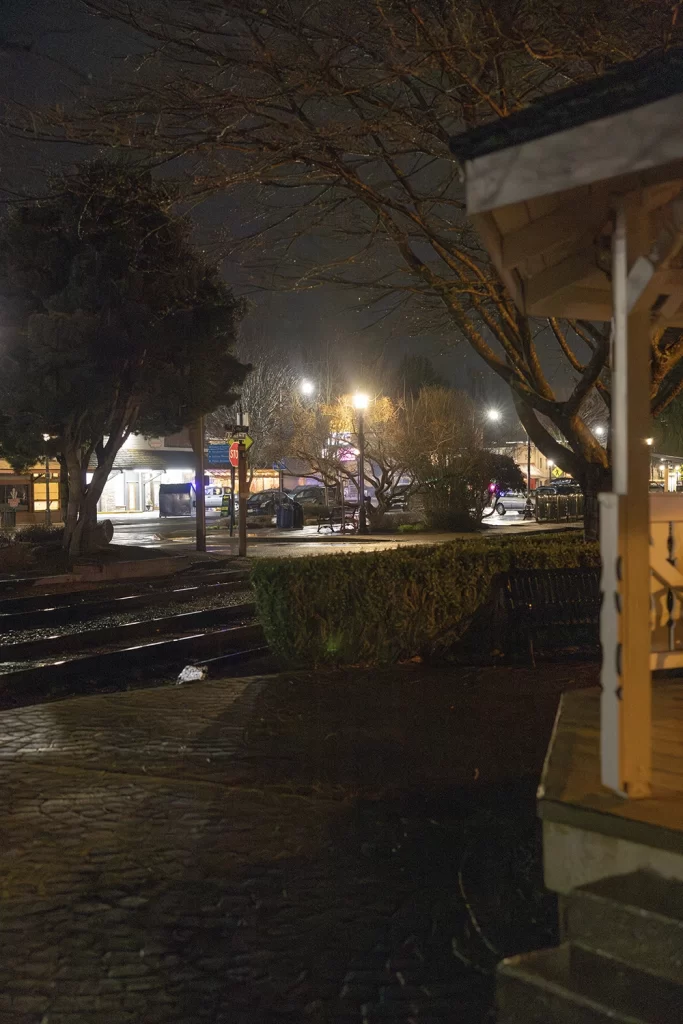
[41,611]
[145,651]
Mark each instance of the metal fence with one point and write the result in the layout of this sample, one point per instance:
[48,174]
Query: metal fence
[558,508]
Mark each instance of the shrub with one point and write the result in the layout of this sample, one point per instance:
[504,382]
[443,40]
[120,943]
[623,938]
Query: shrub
[17,557]
[389,606]
[39,533]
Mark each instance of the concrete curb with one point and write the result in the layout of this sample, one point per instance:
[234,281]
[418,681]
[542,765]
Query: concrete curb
[138,569]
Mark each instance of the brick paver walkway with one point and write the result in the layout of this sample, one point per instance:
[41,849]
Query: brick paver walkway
[149,873]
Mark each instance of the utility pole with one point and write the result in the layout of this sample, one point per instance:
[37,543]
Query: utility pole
[244,495]
[200,500]
[232,500]
[528,513]
[48,516]
[362,517]
[360,404]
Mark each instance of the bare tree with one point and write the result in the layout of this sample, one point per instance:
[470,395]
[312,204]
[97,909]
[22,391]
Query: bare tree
[266,396]
[333,120]
[326,436]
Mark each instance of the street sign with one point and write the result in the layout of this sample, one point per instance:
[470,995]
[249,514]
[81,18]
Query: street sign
[219,453]
[234,455]
[241,435]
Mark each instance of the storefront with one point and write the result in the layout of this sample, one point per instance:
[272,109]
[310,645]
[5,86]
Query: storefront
[24,494]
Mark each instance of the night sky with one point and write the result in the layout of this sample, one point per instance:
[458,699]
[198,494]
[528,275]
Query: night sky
[50,50]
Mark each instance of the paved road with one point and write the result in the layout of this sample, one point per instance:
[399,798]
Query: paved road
[148,530]
[179,855]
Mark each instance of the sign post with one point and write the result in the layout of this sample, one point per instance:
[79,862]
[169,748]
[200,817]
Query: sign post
[198,444]
[244,494]
[232,499]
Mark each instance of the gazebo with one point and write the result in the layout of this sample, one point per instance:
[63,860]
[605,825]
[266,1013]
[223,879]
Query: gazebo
[579,201]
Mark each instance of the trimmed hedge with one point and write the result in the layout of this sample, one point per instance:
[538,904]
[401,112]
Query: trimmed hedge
[392,605]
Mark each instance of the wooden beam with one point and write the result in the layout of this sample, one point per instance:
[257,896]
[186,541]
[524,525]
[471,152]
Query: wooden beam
[654,196]
[632,141]
[578,268]
[556,230]
[668,310]
[626,713]
[576,303]
[488,231]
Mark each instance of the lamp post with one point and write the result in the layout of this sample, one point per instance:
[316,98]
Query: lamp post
[493,416]
[48,516]
[360,403]
[550,470]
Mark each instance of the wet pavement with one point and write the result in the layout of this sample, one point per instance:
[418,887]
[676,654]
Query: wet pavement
[252,852]
[148,530]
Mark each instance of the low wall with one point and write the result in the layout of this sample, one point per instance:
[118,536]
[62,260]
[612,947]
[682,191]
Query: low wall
[101,572]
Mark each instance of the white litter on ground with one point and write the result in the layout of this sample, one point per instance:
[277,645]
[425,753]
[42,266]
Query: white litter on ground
[191,673]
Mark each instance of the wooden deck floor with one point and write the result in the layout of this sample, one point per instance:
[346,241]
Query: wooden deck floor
[571,777]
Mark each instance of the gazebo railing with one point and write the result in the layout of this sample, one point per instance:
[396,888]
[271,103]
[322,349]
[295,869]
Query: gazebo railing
[666,581]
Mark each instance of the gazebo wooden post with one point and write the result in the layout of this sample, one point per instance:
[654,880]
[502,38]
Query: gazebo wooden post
[626,716]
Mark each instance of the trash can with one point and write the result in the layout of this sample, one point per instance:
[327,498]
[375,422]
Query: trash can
[8,518]
[297,515]
[284,516]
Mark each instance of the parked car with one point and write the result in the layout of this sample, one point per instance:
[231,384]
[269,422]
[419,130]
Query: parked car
[564,484]
[312,494]
[510,501]
[213,496]
[263,505]
[398,502]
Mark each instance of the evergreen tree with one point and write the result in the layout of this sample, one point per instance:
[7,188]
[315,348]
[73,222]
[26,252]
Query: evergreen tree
[112,323]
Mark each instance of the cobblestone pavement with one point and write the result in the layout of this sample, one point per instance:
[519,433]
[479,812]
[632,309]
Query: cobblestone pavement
[158,866]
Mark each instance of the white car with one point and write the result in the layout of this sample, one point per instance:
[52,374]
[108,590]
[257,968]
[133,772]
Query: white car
[510,501]
[213,496]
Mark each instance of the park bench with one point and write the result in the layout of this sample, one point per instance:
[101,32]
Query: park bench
[563,604]
[346,518]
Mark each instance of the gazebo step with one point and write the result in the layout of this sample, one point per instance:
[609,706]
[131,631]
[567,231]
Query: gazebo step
[575,985]
[637,918]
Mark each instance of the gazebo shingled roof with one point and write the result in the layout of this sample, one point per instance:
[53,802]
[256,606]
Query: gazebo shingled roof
[542,186]
[625,87]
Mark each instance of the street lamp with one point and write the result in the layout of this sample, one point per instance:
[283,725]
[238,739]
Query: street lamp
[360,403]
[599,431]
[307,387]
[48,517]
[550,470]
[493,415]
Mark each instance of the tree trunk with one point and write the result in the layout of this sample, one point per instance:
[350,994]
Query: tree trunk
[593,480]
[81,519]
[63,488]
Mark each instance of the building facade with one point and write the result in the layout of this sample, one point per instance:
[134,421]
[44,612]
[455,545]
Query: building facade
[541,470]
[23,495]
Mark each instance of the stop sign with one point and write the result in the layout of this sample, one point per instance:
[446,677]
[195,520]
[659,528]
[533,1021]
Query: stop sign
[235,454]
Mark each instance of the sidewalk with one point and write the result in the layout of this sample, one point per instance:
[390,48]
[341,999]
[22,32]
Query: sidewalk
[310,534]
[266,850]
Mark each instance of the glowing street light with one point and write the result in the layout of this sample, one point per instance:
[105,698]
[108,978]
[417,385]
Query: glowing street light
[307,387]
[599,431]
[493,415]
[649,441]
[360,402]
